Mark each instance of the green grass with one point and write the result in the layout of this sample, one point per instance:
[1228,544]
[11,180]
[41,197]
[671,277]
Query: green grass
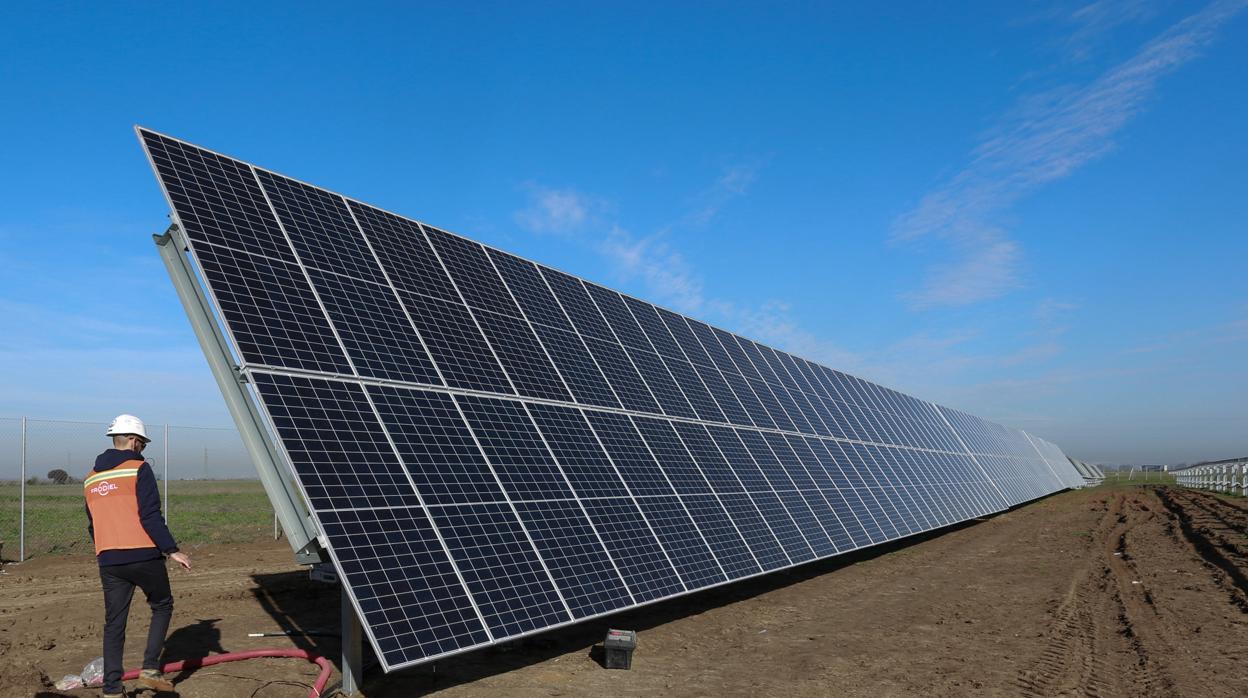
[200,511]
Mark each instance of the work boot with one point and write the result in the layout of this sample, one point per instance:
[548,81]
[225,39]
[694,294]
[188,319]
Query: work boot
[153,679]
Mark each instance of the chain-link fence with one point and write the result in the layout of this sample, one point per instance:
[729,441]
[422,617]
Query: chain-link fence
[208,485]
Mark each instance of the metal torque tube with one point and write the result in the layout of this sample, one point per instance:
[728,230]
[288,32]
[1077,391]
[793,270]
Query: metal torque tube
[287,502]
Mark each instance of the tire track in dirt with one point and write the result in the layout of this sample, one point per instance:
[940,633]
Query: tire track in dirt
[1209,537]
[1095,645]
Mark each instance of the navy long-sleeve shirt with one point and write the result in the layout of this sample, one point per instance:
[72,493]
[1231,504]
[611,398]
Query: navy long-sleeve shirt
[149,512]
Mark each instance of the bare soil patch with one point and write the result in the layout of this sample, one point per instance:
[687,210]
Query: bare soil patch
[1129,591]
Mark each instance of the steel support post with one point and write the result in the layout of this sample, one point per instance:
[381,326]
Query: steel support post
[21,508]
[300,530]
[352,647]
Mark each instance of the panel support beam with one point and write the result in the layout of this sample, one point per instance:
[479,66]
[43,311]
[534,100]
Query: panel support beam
[352,647]
[287,502]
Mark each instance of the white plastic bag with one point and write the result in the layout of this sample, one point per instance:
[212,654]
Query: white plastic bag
[69,683]
[93,673]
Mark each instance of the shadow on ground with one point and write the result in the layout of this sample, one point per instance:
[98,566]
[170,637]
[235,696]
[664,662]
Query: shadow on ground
[303,608]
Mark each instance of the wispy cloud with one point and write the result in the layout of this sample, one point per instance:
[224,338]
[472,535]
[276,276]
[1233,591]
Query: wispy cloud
[561,211]
[665,272]
[667,275]
[1094,20]
[733,183]
[42,327]
[1046,137]
[660,266]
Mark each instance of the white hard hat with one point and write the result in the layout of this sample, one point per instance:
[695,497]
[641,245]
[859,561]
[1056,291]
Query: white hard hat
[127,424]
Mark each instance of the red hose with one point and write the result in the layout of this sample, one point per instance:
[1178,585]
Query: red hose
[193,664]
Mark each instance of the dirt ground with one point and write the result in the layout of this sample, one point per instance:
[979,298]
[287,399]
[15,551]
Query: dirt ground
[1127,591]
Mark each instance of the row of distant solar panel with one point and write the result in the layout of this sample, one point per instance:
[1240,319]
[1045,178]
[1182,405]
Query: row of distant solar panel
[493,447]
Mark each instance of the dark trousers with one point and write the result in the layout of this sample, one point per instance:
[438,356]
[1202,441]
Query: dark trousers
[119,582]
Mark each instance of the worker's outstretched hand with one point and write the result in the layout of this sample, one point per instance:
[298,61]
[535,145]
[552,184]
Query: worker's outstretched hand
[181,559]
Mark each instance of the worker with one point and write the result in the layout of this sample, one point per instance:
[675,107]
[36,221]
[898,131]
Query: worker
[131,542]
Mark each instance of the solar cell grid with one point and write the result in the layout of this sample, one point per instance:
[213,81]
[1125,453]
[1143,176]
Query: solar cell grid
[438,450]
[684,543]
[587,452]
[273,315]
[514,448]
[530,290]
[335,443]
[685,338]
[522,356]
[703,403]
[741,464]
[578,451]
[721,535]
[736,354]
[749,401]
[622,375]
[472,273]
[619,319]
[575,301]
[711,347]
[575,556]
[375,331]
[725,399]
[455,343]
[666,447]
[755,530]
[708,457]
[644,564]
[661,384]
[217,199]
[776,411]
[623,444]
[577,367]
[500,567]
[413,602]
[324,234]
[405,253]
[656,331]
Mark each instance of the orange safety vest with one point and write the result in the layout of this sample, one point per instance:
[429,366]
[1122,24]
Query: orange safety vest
[113,501]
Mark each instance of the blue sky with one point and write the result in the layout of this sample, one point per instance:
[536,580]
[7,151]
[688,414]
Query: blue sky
[1033,212]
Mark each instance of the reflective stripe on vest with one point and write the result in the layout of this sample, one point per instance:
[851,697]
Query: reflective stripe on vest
[112,498]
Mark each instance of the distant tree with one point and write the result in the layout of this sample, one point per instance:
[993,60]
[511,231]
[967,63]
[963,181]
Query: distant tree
[58,476]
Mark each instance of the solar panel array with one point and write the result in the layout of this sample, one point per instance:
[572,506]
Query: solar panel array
[492,447]
[1092,474]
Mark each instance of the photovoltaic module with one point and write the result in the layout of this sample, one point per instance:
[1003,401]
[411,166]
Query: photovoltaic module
[491,447]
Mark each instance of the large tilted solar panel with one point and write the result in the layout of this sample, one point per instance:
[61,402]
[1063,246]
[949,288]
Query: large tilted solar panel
[492,447]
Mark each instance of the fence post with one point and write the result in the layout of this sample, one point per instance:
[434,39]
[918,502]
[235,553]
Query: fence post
[21,536]
[166,472]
